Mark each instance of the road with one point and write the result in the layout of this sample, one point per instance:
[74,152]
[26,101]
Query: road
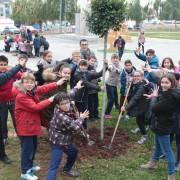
[62,47]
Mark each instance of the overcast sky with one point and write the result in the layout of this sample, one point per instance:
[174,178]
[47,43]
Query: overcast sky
[83,2]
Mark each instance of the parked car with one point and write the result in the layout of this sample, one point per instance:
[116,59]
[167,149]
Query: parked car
[10,30]
[31,28]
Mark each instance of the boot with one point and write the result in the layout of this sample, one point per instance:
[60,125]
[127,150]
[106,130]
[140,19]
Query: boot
[171,177]
[152,164]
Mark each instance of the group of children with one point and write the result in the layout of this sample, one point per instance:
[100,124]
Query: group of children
[63,96]
[25,43]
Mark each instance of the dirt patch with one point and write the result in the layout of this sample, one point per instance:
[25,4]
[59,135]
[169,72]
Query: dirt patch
[100,148]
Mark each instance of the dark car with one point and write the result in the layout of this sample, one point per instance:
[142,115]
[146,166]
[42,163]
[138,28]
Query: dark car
[10,30]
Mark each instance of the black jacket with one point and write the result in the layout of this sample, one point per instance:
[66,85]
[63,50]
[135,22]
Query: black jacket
[137,103]
[86,77]
[163,109]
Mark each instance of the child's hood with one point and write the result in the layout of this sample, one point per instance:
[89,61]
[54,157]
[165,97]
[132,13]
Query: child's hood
[18,87]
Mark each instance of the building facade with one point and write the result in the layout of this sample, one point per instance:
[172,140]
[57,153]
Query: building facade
[5,8]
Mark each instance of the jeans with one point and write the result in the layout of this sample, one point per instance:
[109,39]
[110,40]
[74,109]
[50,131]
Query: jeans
[141,45]
[93,105]
[112,96]
[2,147]
[140,120]
[163,145]
[82,106]
[177,138]
[56,156]
[120,52]
[5,107]
[28,150]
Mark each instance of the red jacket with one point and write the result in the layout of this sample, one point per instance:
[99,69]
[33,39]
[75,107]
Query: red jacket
[28,109]
[6,90]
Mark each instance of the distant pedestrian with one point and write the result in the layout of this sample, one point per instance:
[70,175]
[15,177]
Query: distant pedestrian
[141,40]
[120,44]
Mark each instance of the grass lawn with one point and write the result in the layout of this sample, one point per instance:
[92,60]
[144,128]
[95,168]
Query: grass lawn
[122,167]
[175,35]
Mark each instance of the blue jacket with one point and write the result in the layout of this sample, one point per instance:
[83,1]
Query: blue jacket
[37,42]
[154,62]
[4,77]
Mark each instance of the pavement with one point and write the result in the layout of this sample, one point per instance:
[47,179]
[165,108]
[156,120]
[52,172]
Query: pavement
[62,46]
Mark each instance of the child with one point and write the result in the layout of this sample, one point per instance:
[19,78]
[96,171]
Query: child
[168,65]
[92,93]
[28,121]
[81,98]
[164,105]
[44,63]
[63,126]
[49,75]
[111,85]
[6,97]
[125,75]
[138,105]
[4,78]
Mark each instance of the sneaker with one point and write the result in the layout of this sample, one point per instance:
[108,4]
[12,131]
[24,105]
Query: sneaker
[135,131]
[107,116]
[6,160]
[152,164]
[35,168]
[72,173]
[178,167]
[142,140]
[5,140]
[28,176]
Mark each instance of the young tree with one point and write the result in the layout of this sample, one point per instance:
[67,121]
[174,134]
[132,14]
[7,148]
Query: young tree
[103,16]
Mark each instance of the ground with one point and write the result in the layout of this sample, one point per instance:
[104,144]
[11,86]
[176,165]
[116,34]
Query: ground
[123,161]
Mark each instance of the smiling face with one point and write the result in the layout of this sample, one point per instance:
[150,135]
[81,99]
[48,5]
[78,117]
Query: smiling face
[84,45]
[64,105]
[3,66]
[166,84]
[65,73]
[137,77]
[28,84]
[48,57]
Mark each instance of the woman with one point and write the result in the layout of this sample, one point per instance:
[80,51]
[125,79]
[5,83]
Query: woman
[164,105]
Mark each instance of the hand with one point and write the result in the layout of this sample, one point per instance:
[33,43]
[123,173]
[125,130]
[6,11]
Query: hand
[84,115]
[123,108]
[154,92]
[22,62]
[130,79]
[138,50]
[51,99]
[147,68]
[79,85]
[61,81]
[105,61]
[102,88]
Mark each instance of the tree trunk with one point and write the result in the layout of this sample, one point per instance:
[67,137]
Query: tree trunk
[103,96]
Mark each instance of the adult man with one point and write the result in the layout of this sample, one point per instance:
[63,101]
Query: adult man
[84,50]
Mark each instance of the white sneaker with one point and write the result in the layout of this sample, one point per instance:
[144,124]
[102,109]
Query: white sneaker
[134,131]
[142,140]
[35,168]
[28,176]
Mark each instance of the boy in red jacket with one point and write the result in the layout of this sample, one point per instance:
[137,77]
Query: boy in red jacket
[28,122]
[6,97]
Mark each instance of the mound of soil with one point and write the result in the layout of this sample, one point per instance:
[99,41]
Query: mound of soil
[100,148]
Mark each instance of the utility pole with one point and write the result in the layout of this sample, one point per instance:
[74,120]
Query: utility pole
[60,16]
